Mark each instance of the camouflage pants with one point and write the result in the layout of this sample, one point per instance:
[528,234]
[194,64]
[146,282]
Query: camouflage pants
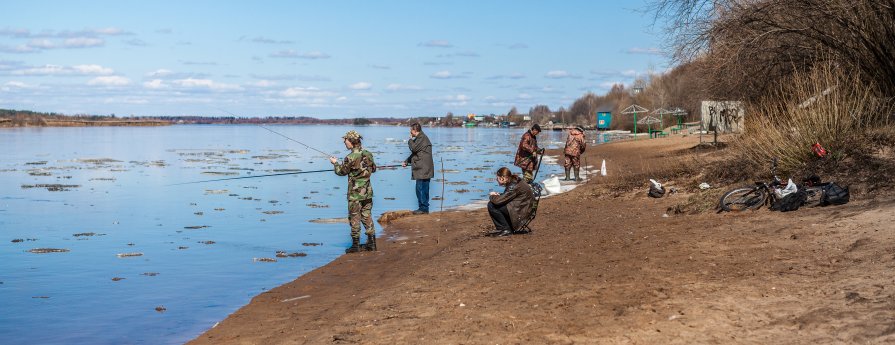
[528,175]
[572,161]
[361,212]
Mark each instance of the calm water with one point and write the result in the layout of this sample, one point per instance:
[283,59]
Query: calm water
[123,194]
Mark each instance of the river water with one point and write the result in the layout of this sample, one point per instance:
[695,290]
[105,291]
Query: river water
[204,247]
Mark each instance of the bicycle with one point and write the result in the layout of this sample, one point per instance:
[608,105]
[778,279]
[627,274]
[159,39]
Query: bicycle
[754,197]
[763,193]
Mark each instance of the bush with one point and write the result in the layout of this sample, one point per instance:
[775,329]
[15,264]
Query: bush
[827,106]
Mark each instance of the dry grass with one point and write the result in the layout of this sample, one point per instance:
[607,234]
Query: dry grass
[825,106]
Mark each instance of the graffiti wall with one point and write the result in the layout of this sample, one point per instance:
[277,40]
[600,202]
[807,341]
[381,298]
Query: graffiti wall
[723,116]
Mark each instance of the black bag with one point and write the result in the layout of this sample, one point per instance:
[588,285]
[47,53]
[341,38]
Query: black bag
[655,192]
[834,195]
[791,201]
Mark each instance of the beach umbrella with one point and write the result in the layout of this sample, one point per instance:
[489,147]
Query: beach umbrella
[649,121]
[634,109]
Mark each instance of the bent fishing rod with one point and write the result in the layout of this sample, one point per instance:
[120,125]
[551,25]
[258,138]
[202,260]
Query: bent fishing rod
[280,174]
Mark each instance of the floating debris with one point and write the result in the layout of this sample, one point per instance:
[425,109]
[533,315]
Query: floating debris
[115,279]
[195,227]
[97,160]
[389,198]
[457,183]
[131,244]
[183,247]
[102,179]
[199,213]
[160,309]
[17,240]
[316,205]
[272,212]
[217,191]
[47,250]
[150,274]
[219,209]
[220,173]
[306,244]
[461,191]
[283,254]
[264,260]
[39,173]
[127,255]
[273,201]
[207,242]
[55,187]
[85,234]
[329,220]
[36,163]
[43,297]
[284,170]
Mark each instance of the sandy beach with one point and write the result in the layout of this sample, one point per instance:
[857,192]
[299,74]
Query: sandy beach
[605,264]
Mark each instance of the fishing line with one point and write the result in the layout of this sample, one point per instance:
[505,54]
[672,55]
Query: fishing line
[282,135]
[280,174]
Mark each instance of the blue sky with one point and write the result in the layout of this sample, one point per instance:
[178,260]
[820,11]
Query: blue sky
[326,59]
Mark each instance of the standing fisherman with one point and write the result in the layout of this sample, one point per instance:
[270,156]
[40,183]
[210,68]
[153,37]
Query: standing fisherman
[527,154]
[359,166]
[422,166]
[574,148]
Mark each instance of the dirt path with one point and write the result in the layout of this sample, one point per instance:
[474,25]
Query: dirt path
[599,269]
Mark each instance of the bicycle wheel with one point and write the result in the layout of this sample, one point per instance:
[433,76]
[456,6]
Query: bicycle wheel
[743,199]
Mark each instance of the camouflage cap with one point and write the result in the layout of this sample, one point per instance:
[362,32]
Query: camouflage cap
[352,134]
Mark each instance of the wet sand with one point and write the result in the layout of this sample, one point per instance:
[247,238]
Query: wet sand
[603,265]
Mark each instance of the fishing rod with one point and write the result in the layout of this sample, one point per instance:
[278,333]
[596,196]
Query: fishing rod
[280,174]
[282,135]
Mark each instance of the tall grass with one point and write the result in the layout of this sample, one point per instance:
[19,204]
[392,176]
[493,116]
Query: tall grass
[826,106]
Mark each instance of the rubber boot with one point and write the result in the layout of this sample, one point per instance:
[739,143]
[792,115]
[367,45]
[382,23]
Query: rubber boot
[355,246]
[567,175]
[577,178]
[505,232]
[370,246]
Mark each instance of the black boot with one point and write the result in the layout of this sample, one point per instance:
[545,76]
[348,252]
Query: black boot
[355,245]
[370,246]
[567,175]
[576,174]
[505,232]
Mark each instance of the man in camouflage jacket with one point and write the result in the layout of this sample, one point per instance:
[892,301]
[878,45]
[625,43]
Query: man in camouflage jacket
[527,154]
[359,166]
[575,146]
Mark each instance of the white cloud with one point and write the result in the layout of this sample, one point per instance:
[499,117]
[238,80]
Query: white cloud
[360,86]
[264,83]
[109,81]
[159,73]
[41,43]
[518,46]
[265,40]
[155,84]
[47,70]
[516,75]
[190,83]
[92,69]
[306,92]
[402,87]
[441,75]
[558,74]
[609,84]
[629,73]
[649,51]
[16,85]
[292,54]
[523,96]
[83,42]
[436,44]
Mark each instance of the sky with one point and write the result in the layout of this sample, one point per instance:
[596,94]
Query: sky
[327,59]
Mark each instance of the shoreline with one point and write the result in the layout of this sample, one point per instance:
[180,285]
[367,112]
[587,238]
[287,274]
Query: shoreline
[600,266]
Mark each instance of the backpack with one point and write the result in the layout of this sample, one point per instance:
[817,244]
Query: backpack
[834,195]
[791,201]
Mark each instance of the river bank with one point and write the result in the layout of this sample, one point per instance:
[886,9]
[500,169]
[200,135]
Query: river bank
[603,265]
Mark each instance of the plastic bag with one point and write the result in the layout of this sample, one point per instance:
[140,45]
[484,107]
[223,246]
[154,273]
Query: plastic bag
[789,189]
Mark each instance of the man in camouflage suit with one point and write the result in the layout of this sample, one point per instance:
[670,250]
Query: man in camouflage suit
[359,166]
[575,146]
[527,154]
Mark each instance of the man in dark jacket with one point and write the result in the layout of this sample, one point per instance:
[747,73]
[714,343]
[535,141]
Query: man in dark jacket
[422,166]
[527,154]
